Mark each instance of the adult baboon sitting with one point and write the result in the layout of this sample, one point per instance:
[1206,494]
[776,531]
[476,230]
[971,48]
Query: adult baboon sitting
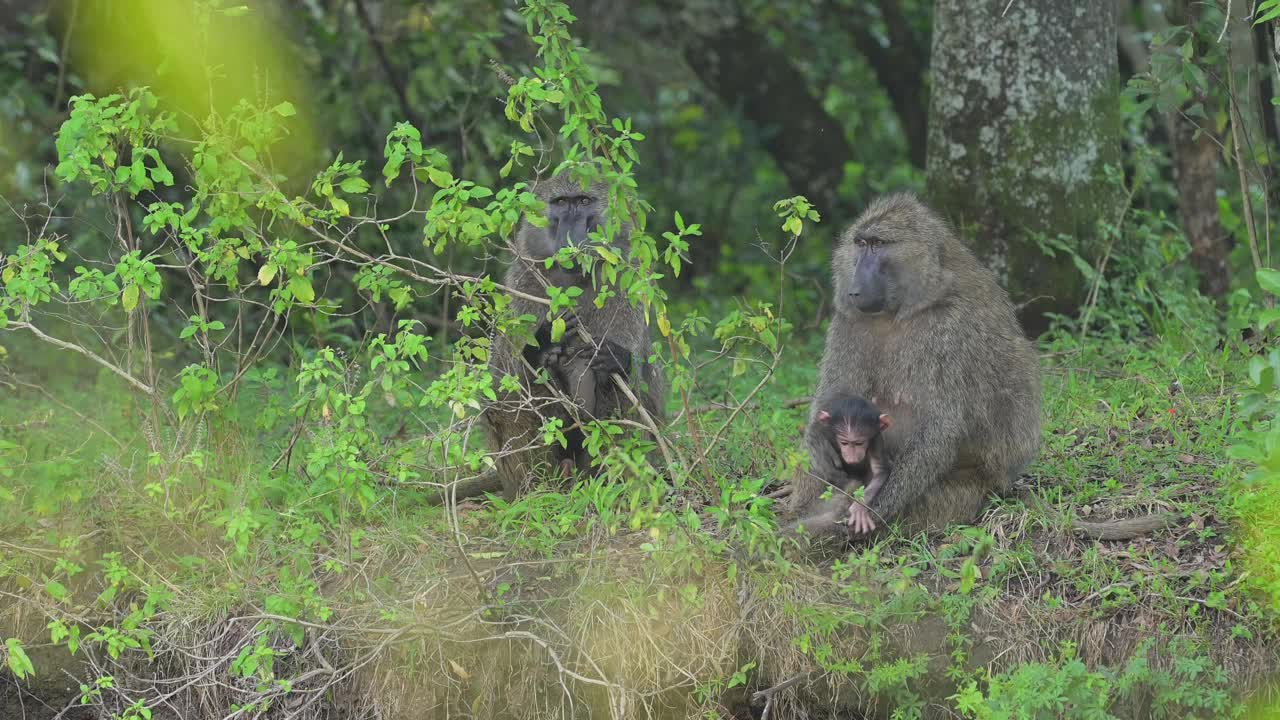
[925,331]
[578,371]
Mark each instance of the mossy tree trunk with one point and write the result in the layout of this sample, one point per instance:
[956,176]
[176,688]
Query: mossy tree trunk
[1023,118]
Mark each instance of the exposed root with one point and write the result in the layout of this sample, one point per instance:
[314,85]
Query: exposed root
[486,482]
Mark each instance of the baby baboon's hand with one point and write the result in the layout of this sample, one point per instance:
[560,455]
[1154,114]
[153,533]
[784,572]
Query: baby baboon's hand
[860,521]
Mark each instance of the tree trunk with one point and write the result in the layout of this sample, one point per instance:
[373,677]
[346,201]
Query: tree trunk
[1195,171]
[1024,114]
[1196,155]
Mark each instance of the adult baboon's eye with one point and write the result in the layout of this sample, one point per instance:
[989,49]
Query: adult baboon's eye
[583,199]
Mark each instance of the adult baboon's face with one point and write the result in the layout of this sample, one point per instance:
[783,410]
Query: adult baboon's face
[572,214]
[868,285]
[886,260]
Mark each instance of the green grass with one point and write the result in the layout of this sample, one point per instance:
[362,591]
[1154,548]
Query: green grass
[654,595]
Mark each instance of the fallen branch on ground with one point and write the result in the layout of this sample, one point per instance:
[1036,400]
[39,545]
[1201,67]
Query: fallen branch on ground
[1125,529]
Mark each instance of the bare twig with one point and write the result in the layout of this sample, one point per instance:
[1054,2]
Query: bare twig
[87,353]
[768,693]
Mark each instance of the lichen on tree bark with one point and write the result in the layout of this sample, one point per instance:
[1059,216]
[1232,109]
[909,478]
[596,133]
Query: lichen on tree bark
[1024,116]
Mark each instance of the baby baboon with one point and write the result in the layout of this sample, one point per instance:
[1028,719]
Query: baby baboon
[579,370]
[925,331]
[852,430]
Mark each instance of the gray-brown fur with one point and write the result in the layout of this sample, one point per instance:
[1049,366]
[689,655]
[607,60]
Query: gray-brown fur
[943,355]
[577,370]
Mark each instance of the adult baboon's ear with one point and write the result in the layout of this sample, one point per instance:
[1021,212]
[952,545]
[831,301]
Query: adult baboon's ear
[824,417]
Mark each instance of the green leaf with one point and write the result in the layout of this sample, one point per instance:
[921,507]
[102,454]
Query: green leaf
[266,273]
[19,663]
[130,297]
[301,289]
[161,174]
[56,590]
[609,256]
[557,329]
[439,178]
[1270,15]
[1266,317]
[285,109]
[354,185]
[1269,280]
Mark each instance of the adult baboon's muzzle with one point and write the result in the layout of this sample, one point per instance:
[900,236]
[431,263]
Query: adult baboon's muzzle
[868,289]
[571,225]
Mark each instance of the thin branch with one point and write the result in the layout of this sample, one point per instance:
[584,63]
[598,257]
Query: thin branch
[87,353]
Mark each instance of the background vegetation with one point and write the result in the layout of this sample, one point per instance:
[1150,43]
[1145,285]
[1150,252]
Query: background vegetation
[247,284]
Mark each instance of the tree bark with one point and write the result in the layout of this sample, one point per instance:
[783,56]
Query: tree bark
[740,66]
[1023,117]
[1196,157]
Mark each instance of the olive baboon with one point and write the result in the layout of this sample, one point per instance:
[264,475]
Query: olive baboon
[924,330]
[578,371]
[852,430]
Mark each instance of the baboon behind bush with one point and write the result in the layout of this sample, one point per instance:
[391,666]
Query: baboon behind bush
[576,369]
[925,331]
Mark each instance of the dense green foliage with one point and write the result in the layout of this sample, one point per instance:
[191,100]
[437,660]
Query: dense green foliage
[244,332]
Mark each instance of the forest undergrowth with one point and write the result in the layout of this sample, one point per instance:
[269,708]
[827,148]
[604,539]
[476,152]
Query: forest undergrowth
[517,610]
[237,400]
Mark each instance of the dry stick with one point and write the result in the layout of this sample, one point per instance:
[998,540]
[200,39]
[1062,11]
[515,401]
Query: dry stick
[87,353]
[1126,529]
[451,512]
[768,693]
[791,404]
